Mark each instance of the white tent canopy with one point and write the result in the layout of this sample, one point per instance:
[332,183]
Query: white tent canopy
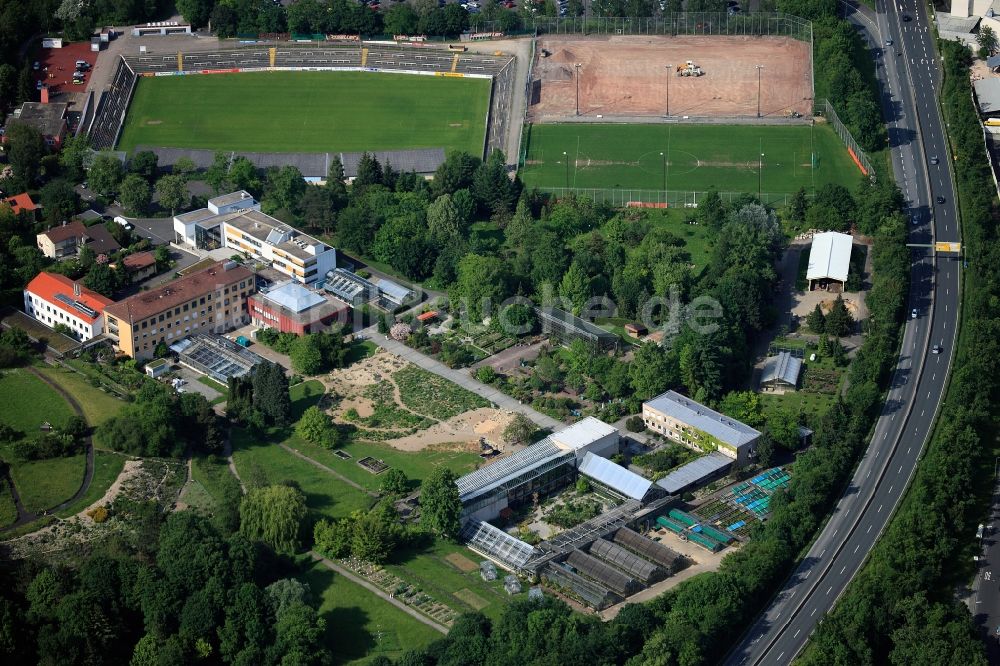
[829,257]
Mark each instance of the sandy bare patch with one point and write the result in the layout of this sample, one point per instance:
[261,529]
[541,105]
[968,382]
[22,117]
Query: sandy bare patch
[464,430]
[363,406]
[154,122]
[461,562]
[850,303]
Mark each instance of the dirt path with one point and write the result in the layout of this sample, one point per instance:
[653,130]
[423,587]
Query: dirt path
[326,469]
[377,592]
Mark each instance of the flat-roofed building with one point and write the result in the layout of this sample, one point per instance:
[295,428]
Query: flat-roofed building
[54,299]
[698,427]
[202,228]
[213,300]
[294,308]
[48,119]
[289,251]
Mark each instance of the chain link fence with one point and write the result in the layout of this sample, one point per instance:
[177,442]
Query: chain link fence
[636,198]
[859,156]
[679,23]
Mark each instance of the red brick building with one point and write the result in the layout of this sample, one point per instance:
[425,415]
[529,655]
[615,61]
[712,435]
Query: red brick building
[293,308]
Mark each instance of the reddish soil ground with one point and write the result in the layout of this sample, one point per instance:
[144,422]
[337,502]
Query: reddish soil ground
[56,67]
[628,76]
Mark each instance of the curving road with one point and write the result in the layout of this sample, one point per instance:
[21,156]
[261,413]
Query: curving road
[909,81]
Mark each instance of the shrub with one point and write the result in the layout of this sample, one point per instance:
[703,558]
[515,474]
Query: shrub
[635,424]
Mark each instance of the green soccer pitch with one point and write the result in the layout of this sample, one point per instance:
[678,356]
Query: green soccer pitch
[308,112]
[698,157]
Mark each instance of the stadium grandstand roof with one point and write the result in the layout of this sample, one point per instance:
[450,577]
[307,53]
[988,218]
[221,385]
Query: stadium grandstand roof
[829,256]
[690,474]
[781,368]
[614,476]
[419,160]
[696,415]
[65,294]
[496,544]
[423,161]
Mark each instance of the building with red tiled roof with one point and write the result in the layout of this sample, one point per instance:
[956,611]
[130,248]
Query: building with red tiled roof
[55,299]
[213,300]
[139,265]
[21,202]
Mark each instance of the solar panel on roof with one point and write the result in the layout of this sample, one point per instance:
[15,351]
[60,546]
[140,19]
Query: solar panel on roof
[82,307]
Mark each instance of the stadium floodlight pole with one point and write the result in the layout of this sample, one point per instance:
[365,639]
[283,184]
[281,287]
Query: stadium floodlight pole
[759,67]
[669,67]
[578,65]
[566,160]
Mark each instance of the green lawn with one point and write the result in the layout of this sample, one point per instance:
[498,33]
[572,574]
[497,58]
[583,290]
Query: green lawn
[107,467]
[28,401]
[698,157]
[359,625]
[416,465]
[97,405]
[42,484]
[309,112]
[697,238]
[325,494]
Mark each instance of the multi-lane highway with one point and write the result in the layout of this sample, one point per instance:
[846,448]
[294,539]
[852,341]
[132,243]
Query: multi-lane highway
[903,47]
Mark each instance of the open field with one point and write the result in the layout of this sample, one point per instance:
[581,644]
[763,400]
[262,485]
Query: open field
[416,465]
[28,402]
[43,484]
[359,625]
[698,157]
[633,75]
[97,405]
[308,112]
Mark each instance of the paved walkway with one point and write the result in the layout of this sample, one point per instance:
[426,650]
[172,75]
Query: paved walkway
[328,470]
[462,378]
[377,592]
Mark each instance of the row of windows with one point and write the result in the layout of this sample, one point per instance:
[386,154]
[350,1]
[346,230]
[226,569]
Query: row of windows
[238,290]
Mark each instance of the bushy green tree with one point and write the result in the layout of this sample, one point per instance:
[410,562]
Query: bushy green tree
[440,506]
[274,515]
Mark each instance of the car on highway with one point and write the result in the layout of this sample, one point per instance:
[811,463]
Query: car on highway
[937,349]
[979,531]
[888,42]
[939,199]
[913,313]
[934,159]
[907,18]
[915,220]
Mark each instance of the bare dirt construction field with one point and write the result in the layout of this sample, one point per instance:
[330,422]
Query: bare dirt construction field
[627,76]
